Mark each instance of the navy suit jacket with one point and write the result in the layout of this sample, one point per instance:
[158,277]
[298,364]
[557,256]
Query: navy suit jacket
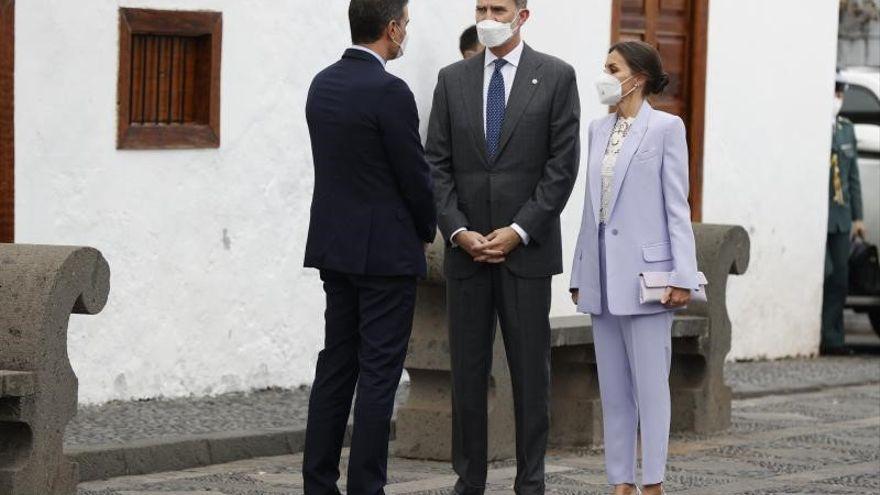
[373,205]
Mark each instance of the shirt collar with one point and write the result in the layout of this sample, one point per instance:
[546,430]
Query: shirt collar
[371,52]
[512,58]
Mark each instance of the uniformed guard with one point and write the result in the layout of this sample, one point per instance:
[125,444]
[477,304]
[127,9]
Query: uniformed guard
[844,223]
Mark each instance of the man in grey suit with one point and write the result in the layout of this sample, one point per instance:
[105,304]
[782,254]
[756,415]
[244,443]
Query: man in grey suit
[503,142]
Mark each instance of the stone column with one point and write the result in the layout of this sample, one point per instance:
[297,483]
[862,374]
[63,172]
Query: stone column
[701,400]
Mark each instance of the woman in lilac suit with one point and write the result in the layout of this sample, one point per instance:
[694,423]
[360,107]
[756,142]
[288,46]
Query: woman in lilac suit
[636,219]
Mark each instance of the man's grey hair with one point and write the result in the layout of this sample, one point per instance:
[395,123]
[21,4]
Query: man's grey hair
[522,4]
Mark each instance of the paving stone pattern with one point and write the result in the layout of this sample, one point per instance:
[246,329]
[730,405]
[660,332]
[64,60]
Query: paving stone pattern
[121,422]
[816,443]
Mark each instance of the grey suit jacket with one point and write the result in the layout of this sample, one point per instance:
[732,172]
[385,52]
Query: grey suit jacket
[533,173]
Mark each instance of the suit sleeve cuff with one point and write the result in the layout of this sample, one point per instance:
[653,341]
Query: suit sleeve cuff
[522,233]
[680,281]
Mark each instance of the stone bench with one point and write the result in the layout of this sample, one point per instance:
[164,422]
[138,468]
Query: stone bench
[40,286]
[575,407]
[701,341]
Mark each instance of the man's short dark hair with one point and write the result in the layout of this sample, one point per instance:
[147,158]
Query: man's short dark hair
[468,40]
[368,18]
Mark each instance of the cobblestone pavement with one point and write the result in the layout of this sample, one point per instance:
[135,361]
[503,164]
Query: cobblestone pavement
[121,422]
[799,375]
[821,443]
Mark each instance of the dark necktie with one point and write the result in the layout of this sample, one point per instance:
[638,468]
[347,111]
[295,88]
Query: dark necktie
[495,103]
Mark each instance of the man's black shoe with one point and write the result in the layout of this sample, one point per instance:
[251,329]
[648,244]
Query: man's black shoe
[837,351]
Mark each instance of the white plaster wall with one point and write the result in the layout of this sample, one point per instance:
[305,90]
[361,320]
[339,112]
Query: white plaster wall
[186,314]
[769,87]
[206,246]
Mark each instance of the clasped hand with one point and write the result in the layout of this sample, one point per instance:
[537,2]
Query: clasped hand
[676,297]
[492,248]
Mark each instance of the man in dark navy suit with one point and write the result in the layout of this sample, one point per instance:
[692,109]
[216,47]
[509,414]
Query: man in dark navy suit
[372,217]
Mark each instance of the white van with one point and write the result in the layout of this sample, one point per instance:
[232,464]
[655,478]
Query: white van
[861,104]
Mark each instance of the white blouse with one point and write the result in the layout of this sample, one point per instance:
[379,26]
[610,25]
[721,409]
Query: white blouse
[618,135]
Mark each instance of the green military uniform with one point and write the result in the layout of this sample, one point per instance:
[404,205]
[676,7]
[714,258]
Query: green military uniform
[845,206]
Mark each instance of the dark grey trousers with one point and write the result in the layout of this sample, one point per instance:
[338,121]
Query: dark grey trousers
[523,307]
[835,290]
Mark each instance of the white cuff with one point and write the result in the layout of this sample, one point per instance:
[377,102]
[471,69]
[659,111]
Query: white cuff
[452,237]
[522,233]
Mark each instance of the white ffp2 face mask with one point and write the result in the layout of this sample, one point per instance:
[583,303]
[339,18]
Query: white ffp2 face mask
[493,33]
[610,89]
[401,45]
[838,104]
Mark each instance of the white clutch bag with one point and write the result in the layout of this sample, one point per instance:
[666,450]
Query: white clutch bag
[652,286]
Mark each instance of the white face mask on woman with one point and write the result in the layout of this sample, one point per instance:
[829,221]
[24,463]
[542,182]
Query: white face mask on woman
[611,90]
[493,33]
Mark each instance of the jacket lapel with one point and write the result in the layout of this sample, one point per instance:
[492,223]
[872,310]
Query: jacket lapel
[597,153]
[521,94]
[472,94]
[630,146]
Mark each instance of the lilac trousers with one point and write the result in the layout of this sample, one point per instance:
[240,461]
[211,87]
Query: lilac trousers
[633,354]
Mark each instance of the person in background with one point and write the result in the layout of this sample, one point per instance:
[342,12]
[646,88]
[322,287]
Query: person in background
[469,43]
[844,223]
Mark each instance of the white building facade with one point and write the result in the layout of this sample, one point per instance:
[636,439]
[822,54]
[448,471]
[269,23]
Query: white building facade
[205,246]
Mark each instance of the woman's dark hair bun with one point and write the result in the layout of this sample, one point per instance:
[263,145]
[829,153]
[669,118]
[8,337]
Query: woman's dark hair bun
[643,58]
[659,84]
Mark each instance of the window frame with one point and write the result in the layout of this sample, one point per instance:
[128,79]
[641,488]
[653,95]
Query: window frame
[168,23]
[7,121]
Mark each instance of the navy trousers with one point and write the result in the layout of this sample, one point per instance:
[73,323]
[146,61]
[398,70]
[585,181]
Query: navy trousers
[368,325]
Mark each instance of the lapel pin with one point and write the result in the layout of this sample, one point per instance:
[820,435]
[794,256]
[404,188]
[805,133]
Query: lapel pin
[534,81]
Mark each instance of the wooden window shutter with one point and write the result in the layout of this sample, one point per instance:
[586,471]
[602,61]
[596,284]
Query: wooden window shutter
[678,29]
[169,79]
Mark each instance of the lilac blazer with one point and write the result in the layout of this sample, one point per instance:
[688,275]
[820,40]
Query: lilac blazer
[649,223]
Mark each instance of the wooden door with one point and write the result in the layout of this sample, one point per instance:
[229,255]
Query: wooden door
[7,144]
[678,28]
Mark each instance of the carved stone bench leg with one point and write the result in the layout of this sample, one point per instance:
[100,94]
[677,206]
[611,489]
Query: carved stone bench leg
[424,422]
[698,404]
[701,400]
[575,405]
[16,438]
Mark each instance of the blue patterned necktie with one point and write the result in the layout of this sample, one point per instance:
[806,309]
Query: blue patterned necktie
[495,103]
